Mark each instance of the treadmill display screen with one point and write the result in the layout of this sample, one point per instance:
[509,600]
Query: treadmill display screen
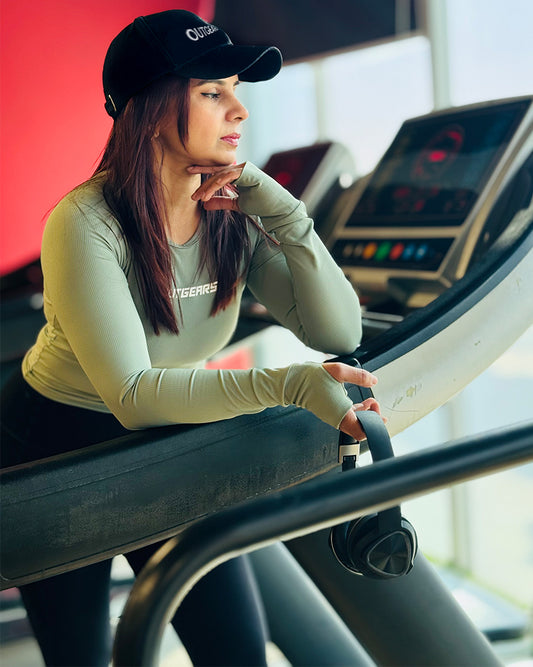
[436,167]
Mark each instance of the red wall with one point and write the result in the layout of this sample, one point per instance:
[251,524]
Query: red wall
[53,124]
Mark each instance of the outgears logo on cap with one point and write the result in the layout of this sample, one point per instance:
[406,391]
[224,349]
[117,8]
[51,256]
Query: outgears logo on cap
[199,33]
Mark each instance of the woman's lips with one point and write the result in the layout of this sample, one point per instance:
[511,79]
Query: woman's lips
[232,139]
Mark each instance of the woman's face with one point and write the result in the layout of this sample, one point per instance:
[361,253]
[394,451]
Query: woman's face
[215,116]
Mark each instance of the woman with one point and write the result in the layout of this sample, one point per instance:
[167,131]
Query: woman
[144,266]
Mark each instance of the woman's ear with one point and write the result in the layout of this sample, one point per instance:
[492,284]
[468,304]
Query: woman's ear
[155,129]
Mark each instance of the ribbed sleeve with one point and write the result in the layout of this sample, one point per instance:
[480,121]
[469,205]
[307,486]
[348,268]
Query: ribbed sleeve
[302,286]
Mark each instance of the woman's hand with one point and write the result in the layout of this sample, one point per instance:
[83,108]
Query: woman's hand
[254,193]
[220,178]
[345,373]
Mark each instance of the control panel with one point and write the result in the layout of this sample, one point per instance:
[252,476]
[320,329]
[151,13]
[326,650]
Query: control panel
[410,227]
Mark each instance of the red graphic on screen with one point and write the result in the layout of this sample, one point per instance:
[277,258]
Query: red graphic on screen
[439,153]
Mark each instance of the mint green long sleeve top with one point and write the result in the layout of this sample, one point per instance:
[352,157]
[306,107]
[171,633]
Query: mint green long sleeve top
[98,349]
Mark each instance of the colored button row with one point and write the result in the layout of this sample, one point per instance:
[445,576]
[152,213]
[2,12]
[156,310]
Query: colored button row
[390,251]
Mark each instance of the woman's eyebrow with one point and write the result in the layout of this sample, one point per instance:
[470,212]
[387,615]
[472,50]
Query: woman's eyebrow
[219,82]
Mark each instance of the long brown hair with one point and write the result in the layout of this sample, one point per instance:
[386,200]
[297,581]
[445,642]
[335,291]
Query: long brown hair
[133,191]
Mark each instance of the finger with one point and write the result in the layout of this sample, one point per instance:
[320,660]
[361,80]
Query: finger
[360,376]
[352,426]
[213,168]
[213,184]
[344,373]
[370,404]
[222,203]
[210,187]
[220,175]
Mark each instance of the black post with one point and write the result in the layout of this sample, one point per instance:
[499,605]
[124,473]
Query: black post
[302,623]
[411,621]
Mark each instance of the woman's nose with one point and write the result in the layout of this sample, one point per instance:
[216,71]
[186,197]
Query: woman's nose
[239,111]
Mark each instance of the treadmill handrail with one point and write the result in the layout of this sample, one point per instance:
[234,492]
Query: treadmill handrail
[93,503]
[420,325]
[306,508]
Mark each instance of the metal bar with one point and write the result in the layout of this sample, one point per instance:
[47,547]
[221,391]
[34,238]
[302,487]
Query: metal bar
[297,511]
[410,621]
[437,31]
[301,622]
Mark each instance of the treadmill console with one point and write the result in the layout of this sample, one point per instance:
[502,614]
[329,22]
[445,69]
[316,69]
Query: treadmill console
[318,175]
[409,228]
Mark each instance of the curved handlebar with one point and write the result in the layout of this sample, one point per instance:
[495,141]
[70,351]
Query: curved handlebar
[299,510]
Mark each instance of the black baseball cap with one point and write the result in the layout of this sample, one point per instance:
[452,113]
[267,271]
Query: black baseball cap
[181,43]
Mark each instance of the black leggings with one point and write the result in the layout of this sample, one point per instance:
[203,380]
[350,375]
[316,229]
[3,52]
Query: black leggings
[220,622]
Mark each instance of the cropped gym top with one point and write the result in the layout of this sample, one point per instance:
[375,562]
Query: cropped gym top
[98,350]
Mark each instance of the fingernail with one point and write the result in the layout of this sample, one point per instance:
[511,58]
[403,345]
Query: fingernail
[358,406]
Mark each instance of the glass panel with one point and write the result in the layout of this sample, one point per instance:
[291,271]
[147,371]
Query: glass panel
[489,49]
[369,93]
[282,114]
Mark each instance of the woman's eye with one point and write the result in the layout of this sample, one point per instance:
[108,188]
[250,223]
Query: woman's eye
[212,96]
